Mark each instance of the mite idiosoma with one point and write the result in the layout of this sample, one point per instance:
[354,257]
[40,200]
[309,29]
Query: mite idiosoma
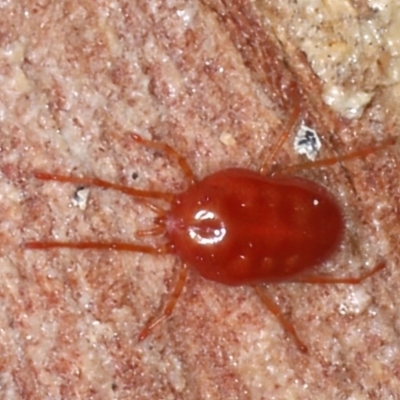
[237,226]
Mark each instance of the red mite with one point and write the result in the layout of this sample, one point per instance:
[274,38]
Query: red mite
[237,227]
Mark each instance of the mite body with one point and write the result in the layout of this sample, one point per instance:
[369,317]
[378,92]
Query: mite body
[238,227]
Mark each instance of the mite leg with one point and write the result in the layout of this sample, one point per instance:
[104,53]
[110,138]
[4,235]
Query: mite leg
[117,246]
[145,196]
[296,99]
[152,194]
[321,279]
[361,153]
[171,152]
[276,311]
[176,293]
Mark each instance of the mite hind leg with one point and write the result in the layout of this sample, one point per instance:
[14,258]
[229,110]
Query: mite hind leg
[157,319]
[352,280]
[274,308]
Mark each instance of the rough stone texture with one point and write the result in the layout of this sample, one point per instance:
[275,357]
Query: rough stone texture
[213,80]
